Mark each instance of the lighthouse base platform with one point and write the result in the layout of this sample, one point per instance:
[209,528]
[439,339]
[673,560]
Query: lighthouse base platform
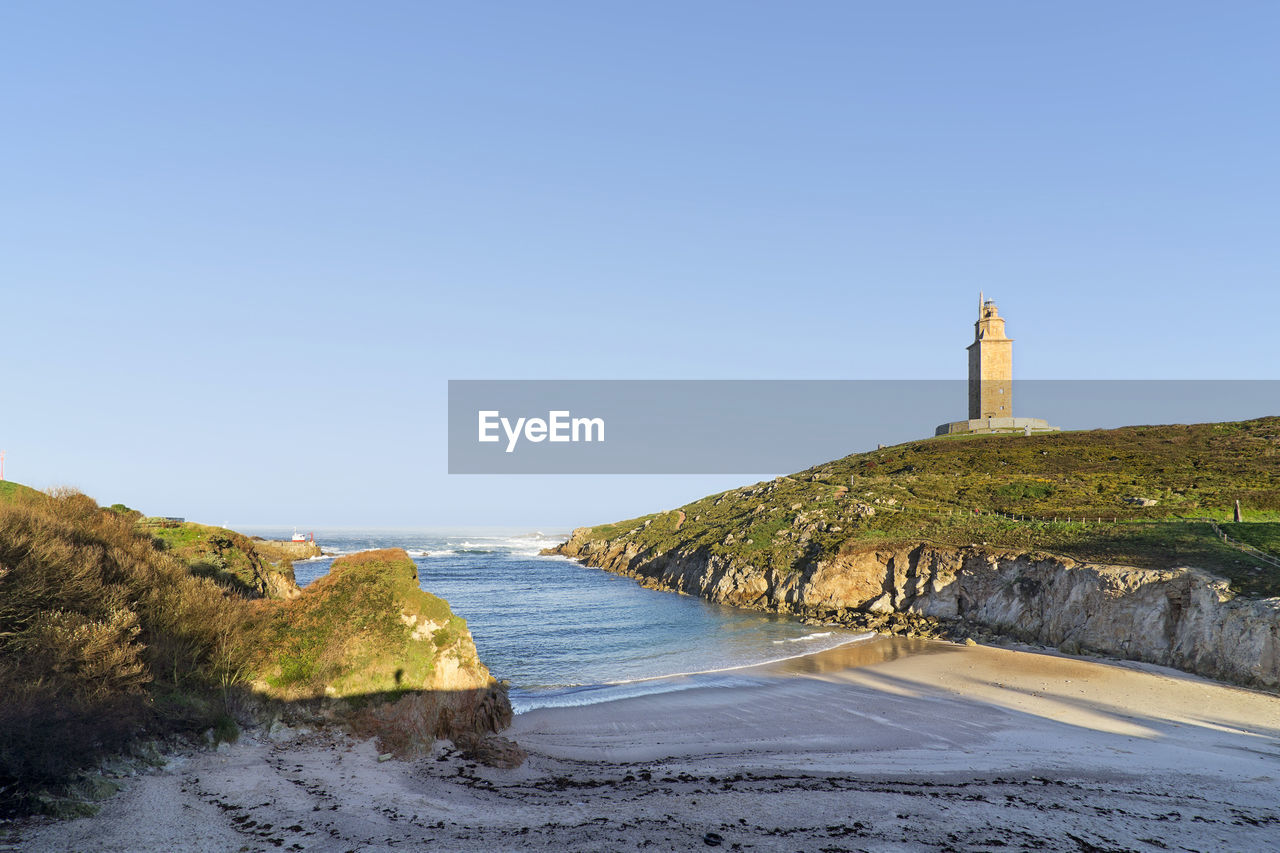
[981,426]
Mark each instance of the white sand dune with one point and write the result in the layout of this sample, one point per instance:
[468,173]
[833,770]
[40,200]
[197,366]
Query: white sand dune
[885,745]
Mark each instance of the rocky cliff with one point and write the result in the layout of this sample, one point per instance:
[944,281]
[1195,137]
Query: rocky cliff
[1179,617]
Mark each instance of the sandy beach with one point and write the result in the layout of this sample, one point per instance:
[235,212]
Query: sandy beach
[888,744]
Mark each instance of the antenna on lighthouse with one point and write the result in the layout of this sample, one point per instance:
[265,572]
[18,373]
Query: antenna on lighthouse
[980,304]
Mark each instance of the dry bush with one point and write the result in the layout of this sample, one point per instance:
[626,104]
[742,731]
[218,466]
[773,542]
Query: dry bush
[102,638]
[409,725]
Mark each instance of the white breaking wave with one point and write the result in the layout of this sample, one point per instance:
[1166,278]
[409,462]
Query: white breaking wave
[595,694]
[592,694]
[806,638]
[525,546]
[858,639]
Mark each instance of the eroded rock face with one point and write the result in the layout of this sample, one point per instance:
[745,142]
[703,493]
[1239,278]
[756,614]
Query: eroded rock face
[1184,618]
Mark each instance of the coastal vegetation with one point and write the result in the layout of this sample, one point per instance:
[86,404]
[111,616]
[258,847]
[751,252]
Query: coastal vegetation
[229,558]
[1140,496]
[364,628]
[116,632]
[104,640]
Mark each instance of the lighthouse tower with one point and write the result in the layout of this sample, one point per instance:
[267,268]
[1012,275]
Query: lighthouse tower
[991,381]
[990,365]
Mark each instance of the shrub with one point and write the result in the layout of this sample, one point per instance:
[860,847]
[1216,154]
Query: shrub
[1025,491]
[102,638]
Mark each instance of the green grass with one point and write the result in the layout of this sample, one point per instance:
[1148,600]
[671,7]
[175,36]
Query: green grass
[11,492]
[225,556]
[609,531]
[176,535]
[1263,535]
[928,491]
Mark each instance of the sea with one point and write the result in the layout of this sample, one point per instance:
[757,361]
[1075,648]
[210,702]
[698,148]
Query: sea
[564,634]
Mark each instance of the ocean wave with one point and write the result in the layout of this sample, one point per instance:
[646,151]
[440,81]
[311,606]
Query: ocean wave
[806,638]
[737,666]
[593,694]
[562,696]
[515,546]
[509,542]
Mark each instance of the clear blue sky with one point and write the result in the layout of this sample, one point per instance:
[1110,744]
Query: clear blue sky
[245,245]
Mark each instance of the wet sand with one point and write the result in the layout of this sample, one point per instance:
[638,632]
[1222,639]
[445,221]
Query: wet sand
[889,744]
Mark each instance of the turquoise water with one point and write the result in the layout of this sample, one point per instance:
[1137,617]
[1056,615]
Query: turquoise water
[564,634]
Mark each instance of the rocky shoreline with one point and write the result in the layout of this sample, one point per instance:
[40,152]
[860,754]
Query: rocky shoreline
[1183,617]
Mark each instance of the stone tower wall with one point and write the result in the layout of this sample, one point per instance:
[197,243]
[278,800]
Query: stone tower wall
[990,367]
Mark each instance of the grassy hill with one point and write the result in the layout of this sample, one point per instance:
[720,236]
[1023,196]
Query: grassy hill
[1117,496]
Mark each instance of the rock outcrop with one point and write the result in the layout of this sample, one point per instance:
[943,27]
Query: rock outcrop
[277,550]
[366,644]
[1183,617]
